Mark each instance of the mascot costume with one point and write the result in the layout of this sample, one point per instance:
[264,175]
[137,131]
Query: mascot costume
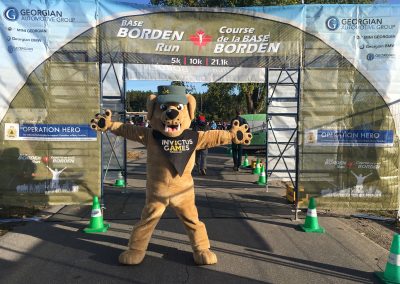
[171,149]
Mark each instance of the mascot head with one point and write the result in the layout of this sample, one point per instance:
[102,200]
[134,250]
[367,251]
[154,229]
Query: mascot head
[171,110]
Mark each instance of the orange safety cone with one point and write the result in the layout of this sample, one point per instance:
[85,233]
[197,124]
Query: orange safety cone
[96,224]
[392,270]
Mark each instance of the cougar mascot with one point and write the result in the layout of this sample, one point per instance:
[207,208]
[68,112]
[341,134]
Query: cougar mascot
[171,149]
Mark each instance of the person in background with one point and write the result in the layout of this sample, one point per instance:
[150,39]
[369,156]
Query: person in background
[237,150]
[201,155]
[213,125]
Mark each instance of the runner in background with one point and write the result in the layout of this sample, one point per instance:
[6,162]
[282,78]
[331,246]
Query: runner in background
[237,149]
[201,155]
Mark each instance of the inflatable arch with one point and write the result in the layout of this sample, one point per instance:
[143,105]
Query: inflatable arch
[62,58]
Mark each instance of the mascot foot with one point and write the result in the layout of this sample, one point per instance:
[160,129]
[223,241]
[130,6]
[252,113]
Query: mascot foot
[204,257]
[131,257]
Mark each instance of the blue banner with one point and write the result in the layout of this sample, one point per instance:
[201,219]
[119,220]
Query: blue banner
[46,132]
[355,137]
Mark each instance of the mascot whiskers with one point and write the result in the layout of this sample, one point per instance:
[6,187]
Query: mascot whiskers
[171,149]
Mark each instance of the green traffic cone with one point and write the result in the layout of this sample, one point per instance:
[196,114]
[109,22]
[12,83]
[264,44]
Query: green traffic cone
[262,179]
[246,162]
[257,169]
[311,224]
[229,150]
[120,181]
[392,271]
[96,224]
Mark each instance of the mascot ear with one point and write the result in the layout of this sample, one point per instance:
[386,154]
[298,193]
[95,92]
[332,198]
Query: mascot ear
[191,106]
[151,101]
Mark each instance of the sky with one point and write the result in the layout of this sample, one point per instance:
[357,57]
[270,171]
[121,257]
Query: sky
[152,86]
[141,2]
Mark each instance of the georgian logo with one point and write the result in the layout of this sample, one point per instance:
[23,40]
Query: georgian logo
[332,23]
[370,56]
[11,14]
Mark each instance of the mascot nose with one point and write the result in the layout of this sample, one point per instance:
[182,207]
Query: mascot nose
[172,113]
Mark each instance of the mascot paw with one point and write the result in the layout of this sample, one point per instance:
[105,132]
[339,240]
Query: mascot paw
[131,257]
[241,136]
[101,122]
[204,257]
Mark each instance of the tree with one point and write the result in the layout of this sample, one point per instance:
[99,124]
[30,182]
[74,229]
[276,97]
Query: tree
[226,3]
[255,95]
[136,100]
[220,101]
[248,3]
[177,83]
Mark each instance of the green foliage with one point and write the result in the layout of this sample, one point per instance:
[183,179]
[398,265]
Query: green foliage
[248,3]
[255,95]
[177,83]
[220,101]
[136,100]
[226,3]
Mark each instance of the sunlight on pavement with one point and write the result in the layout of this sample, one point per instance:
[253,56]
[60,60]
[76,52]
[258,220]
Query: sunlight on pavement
[14,246]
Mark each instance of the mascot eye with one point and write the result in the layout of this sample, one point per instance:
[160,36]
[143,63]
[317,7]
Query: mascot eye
[180,107]
[163,107]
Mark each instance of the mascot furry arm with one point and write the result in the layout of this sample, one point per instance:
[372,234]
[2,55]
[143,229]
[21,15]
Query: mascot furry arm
[170,159]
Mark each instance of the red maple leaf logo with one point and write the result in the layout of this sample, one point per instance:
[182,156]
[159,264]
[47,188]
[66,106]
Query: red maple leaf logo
[350,164]
[200,38]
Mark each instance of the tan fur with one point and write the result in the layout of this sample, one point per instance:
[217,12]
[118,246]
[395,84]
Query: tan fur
[164,187]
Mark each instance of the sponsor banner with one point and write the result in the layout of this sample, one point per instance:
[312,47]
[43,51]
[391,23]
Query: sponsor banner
[53,179]
[34,174]
[47,159]
[352,164]
[49,132]
[369,138]
[32,31]
[367,36]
